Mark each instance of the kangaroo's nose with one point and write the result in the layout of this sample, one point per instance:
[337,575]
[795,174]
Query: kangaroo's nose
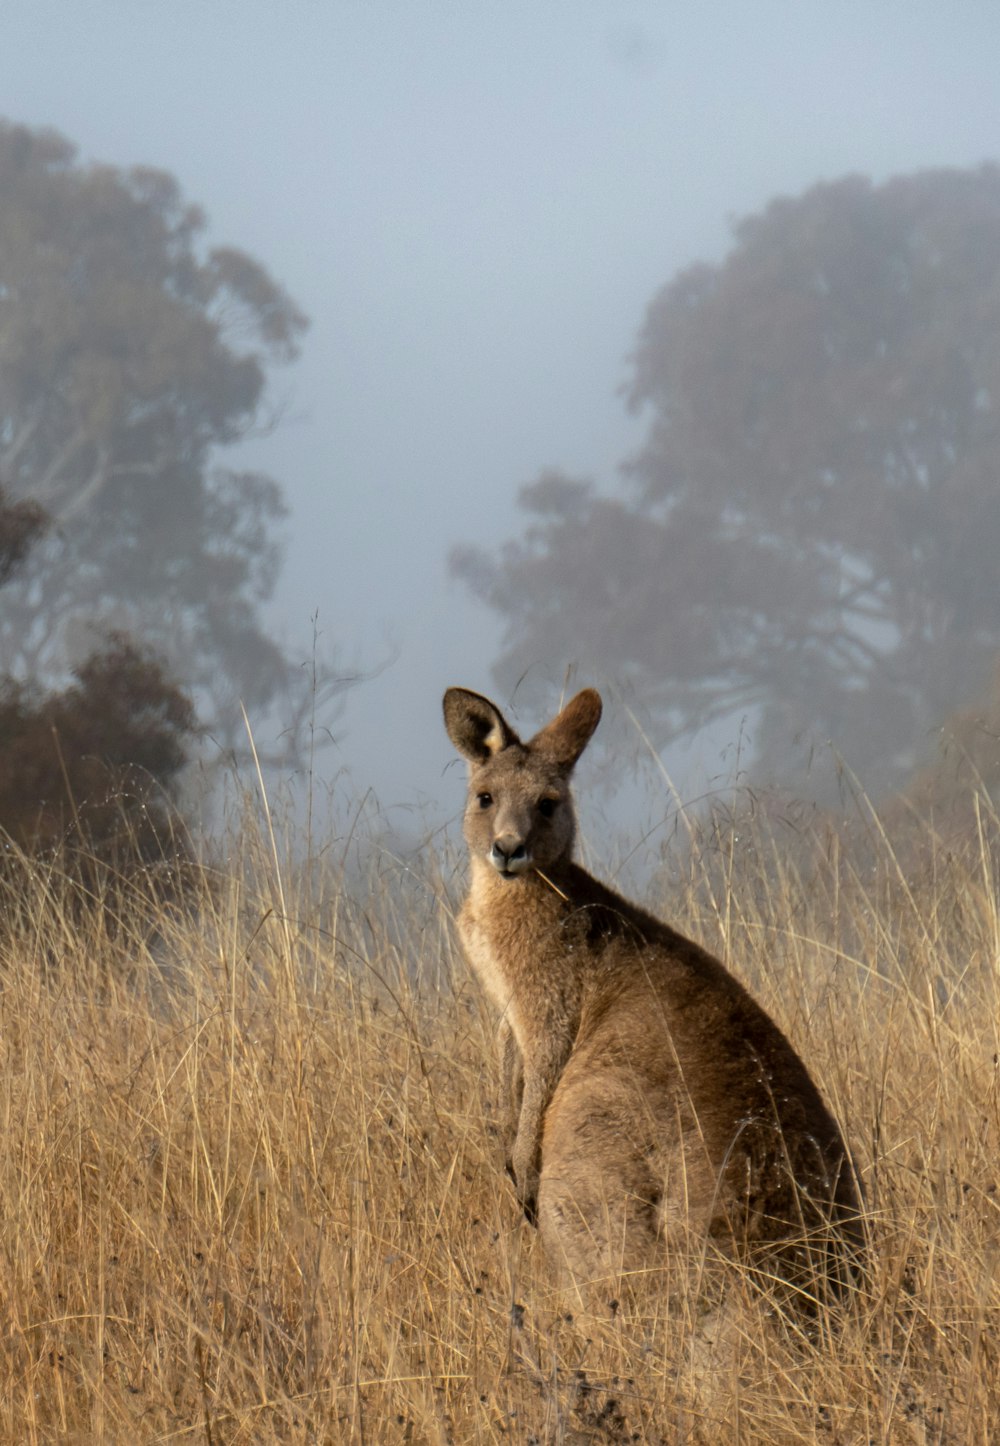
[508,855]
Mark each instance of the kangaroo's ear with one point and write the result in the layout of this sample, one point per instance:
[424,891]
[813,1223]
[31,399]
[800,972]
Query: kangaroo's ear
[475,725]
[565,738]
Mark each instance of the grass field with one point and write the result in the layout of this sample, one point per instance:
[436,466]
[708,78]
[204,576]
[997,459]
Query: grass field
[251,1189]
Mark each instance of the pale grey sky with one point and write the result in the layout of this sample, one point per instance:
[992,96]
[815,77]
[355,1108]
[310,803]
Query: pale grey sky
[474,203]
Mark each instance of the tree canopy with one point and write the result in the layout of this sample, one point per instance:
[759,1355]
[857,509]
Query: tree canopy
[129,357]
[810,532]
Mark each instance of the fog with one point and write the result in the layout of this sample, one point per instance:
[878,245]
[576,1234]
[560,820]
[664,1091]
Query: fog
[474,205]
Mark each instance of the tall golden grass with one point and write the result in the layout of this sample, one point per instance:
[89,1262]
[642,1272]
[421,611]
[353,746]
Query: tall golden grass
[251,1188]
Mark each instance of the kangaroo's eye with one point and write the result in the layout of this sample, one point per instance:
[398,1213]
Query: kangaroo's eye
[485,799]
[547,806]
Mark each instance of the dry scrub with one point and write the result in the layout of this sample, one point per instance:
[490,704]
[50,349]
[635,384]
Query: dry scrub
[250,1186]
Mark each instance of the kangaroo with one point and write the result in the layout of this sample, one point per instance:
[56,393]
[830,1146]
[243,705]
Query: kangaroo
[648,1093]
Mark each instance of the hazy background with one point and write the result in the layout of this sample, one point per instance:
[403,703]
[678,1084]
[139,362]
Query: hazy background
[473,205]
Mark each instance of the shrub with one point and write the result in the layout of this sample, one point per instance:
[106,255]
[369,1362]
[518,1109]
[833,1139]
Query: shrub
[92,769]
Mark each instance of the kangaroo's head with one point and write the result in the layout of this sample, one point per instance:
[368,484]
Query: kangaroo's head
[519,817]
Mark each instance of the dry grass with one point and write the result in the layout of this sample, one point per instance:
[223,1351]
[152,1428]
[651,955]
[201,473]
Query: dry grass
[250,1186]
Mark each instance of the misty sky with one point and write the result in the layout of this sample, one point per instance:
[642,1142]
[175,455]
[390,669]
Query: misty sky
[474,203]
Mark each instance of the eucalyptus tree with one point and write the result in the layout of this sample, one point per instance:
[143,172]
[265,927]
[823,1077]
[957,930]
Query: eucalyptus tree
[809,534]
[132,356]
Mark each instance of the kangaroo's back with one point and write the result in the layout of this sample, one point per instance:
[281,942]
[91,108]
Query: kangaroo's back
[650,1096]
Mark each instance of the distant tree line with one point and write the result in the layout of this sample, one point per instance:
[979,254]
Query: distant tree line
[808,537]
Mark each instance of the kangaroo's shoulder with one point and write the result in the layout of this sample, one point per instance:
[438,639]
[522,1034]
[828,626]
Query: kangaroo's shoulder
[611,918]
[643,956]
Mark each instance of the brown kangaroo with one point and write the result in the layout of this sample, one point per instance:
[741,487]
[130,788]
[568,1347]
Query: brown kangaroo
[649,1094]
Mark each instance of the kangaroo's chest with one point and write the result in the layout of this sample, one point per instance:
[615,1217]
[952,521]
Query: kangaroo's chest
[487,962]
[528,970]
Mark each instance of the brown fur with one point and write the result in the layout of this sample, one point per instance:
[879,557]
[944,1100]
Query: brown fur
[649,1095]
